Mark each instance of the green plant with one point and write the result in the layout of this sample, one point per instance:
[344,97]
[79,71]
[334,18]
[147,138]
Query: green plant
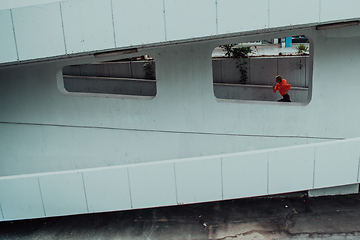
[241,64]
[241,52]
[227,48]
[238,53]
[300,65]
[302,48]
[149,70]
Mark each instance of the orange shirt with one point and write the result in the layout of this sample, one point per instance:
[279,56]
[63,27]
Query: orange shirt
[283,87]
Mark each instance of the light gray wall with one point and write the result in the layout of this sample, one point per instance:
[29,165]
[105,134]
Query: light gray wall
[119,86]
[46,129]
[69,27]
[260,70]
[137,145]
[257,93]
[126,69]
[181,181]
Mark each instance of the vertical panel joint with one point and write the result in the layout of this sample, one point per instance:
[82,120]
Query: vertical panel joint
[41,195]
[268,173]
[13,27]
[87,205]
[164,12]
[128,175]
[113,22]
[63,29]
[176,190]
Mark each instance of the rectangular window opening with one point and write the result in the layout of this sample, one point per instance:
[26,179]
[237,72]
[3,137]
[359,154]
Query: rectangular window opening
[247,71]
[120,78]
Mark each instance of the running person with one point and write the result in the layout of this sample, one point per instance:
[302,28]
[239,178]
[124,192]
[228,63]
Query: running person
[283,87]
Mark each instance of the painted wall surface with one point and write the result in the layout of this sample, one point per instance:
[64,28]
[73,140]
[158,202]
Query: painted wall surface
[182,181]
[147,88]
[114,78]
[260,71]
[75,30]
[46,129]
[10,4]
[51,138]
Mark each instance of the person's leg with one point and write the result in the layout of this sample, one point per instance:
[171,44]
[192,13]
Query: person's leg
[286,98]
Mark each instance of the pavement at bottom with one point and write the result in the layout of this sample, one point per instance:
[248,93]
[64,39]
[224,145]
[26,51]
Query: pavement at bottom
[294,216]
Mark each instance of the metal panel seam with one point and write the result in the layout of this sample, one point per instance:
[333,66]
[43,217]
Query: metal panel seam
[217,19]
[170,131]
[358,168]
[164,20]
[87,205]
[222,180]
[13,27]
[128,175]
[314,167]
[319,11]
[113,23]
[130,70]
[268,13]
[176,190]
[62,25]
[2,212]
[268,172]
[305,71]
[41,195]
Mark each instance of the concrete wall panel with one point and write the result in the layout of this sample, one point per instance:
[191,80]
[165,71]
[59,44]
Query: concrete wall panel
[8,48]
[1,214]
[336,164]
[137,70]
[291,169]
[100,70]
[244,175]
[332,10]
[21,198]
[38,31]
[284,13]
[8,4]
[110,86]
[239,16]
[72,70]
[262,71]
[63,194]
[217,74]
[308,72]
[289,69]
[119,70]
[107,190]
[138,22]
[231,74]
[198,181]
[88,25]
[256,93]
[183,19]
[152,185]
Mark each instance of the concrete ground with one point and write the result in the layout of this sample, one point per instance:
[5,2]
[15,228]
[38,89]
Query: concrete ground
[286,217]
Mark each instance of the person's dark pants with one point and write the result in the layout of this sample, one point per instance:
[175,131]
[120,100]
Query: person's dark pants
[286,98]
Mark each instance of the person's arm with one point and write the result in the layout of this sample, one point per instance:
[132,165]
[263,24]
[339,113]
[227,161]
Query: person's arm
[275,87]
[288,86]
